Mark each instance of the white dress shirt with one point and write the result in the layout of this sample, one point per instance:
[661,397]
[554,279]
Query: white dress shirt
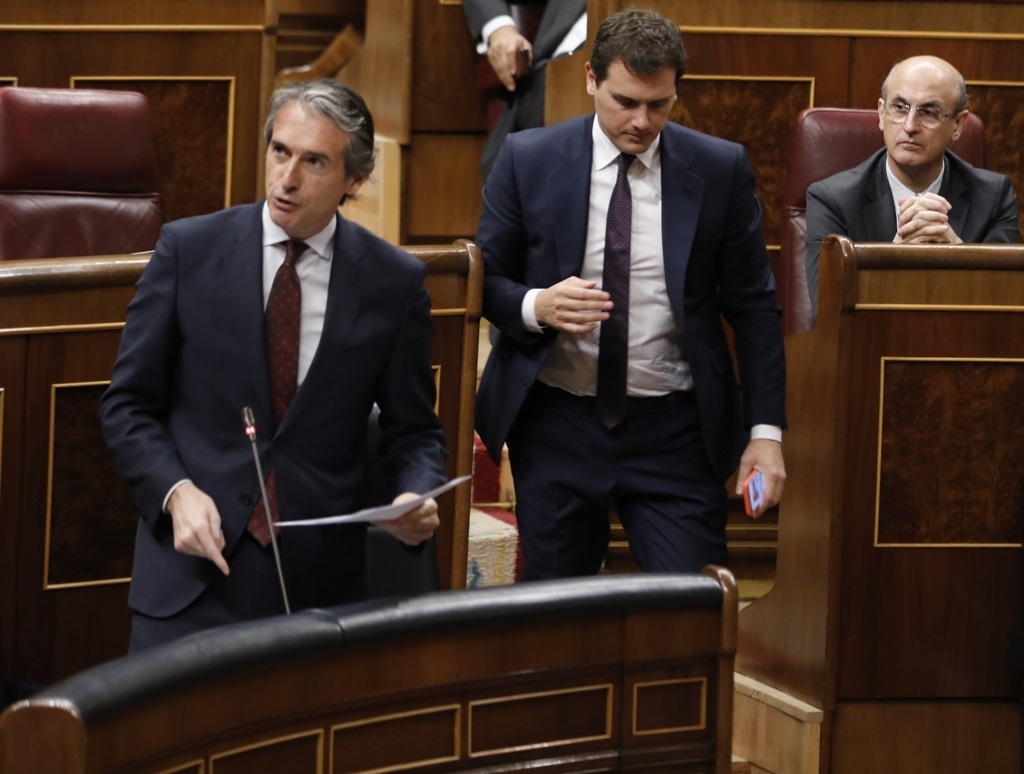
[657,363]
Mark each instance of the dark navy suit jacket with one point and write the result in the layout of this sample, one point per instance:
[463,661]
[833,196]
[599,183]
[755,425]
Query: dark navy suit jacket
[533,235]
[192,356]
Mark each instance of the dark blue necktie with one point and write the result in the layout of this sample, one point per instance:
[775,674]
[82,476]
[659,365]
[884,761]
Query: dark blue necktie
[613,354]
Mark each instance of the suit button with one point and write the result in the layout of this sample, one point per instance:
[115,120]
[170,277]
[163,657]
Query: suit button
[247,500]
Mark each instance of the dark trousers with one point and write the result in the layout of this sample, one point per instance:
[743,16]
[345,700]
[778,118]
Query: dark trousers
[568,467]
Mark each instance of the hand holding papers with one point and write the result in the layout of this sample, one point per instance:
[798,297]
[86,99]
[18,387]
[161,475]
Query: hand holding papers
[382,513]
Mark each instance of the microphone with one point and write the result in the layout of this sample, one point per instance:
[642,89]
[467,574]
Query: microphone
[250,430]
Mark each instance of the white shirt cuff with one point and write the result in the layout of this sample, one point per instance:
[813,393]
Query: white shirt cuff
[767,432]
[172,490]
[494,24]
[529,313]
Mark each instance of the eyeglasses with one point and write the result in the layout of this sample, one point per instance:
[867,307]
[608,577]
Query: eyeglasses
[928,116]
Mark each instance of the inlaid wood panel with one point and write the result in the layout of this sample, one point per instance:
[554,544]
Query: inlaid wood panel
[296,753]
[935,488]
[193,123]
[91,517]
[758,113]
[430,736]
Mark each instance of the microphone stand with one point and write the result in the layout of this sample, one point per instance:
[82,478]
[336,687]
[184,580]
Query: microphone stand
[250,430]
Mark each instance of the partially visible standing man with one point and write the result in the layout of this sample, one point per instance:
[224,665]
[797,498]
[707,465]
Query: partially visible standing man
[563,29]
[196,350]
[613,245]
[914,190]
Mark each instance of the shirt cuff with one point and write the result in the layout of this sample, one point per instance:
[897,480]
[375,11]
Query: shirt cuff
[766,432]
[529,313]
[488,29]
[172,491]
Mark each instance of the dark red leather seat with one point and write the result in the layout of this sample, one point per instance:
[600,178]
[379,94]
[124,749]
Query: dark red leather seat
[78,173]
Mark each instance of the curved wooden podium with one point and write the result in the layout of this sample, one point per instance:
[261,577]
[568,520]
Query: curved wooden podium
[899,577]
[593,674]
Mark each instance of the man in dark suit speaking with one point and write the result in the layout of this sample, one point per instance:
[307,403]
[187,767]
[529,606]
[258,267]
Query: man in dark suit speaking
[285,307]
[614,244]
[914,190]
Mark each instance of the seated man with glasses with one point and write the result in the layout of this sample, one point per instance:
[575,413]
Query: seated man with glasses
[914,190]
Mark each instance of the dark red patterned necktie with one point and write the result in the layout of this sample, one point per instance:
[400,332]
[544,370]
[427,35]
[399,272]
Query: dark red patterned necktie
[282,322]
[614,349]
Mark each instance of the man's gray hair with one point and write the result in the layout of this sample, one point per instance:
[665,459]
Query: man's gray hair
[343,106]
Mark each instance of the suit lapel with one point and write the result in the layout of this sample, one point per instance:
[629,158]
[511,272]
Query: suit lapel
[682,194]
[344,295]
[569,189]
[240,267]
[954,190]
[879,214]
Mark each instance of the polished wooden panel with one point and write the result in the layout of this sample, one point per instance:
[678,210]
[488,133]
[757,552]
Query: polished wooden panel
[448,163]
[851,619]
[66,518]
[955,737]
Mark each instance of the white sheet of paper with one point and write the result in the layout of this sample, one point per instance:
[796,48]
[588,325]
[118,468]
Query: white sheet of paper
[381,513]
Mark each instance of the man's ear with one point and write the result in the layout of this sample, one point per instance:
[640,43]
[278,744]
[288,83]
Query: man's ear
[591,80]
[961,122]
[354,183]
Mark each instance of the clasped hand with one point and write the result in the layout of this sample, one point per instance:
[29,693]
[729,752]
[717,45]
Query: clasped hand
[925,220]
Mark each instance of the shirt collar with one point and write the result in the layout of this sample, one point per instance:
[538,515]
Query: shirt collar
[606,153]
[321,243]
[903,191]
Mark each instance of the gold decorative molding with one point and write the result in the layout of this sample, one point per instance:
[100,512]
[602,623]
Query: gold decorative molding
[48,523]
[937,308]
[607,688]
[318,733]
[701,682]
[74,328]
[132,28]
[197,766]
[850,33]
[877,543]
[454,709]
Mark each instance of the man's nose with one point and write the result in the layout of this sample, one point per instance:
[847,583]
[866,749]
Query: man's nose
[290,174]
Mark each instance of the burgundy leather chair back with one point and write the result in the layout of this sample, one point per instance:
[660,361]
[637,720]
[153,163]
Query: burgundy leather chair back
[826,141]
[78,173]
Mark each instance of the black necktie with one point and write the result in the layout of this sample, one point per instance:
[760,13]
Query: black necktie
[281,323]
[613,354]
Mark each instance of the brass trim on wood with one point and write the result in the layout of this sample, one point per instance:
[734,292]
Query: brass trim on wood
[199,765]
[455,709]
[47,586]
[878,461]
[132,28]
[319,733]
[809,79]
[936,308]
[608,688]
[703,681]
[231,80]
[453,312]
[73,328]
[850,33]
